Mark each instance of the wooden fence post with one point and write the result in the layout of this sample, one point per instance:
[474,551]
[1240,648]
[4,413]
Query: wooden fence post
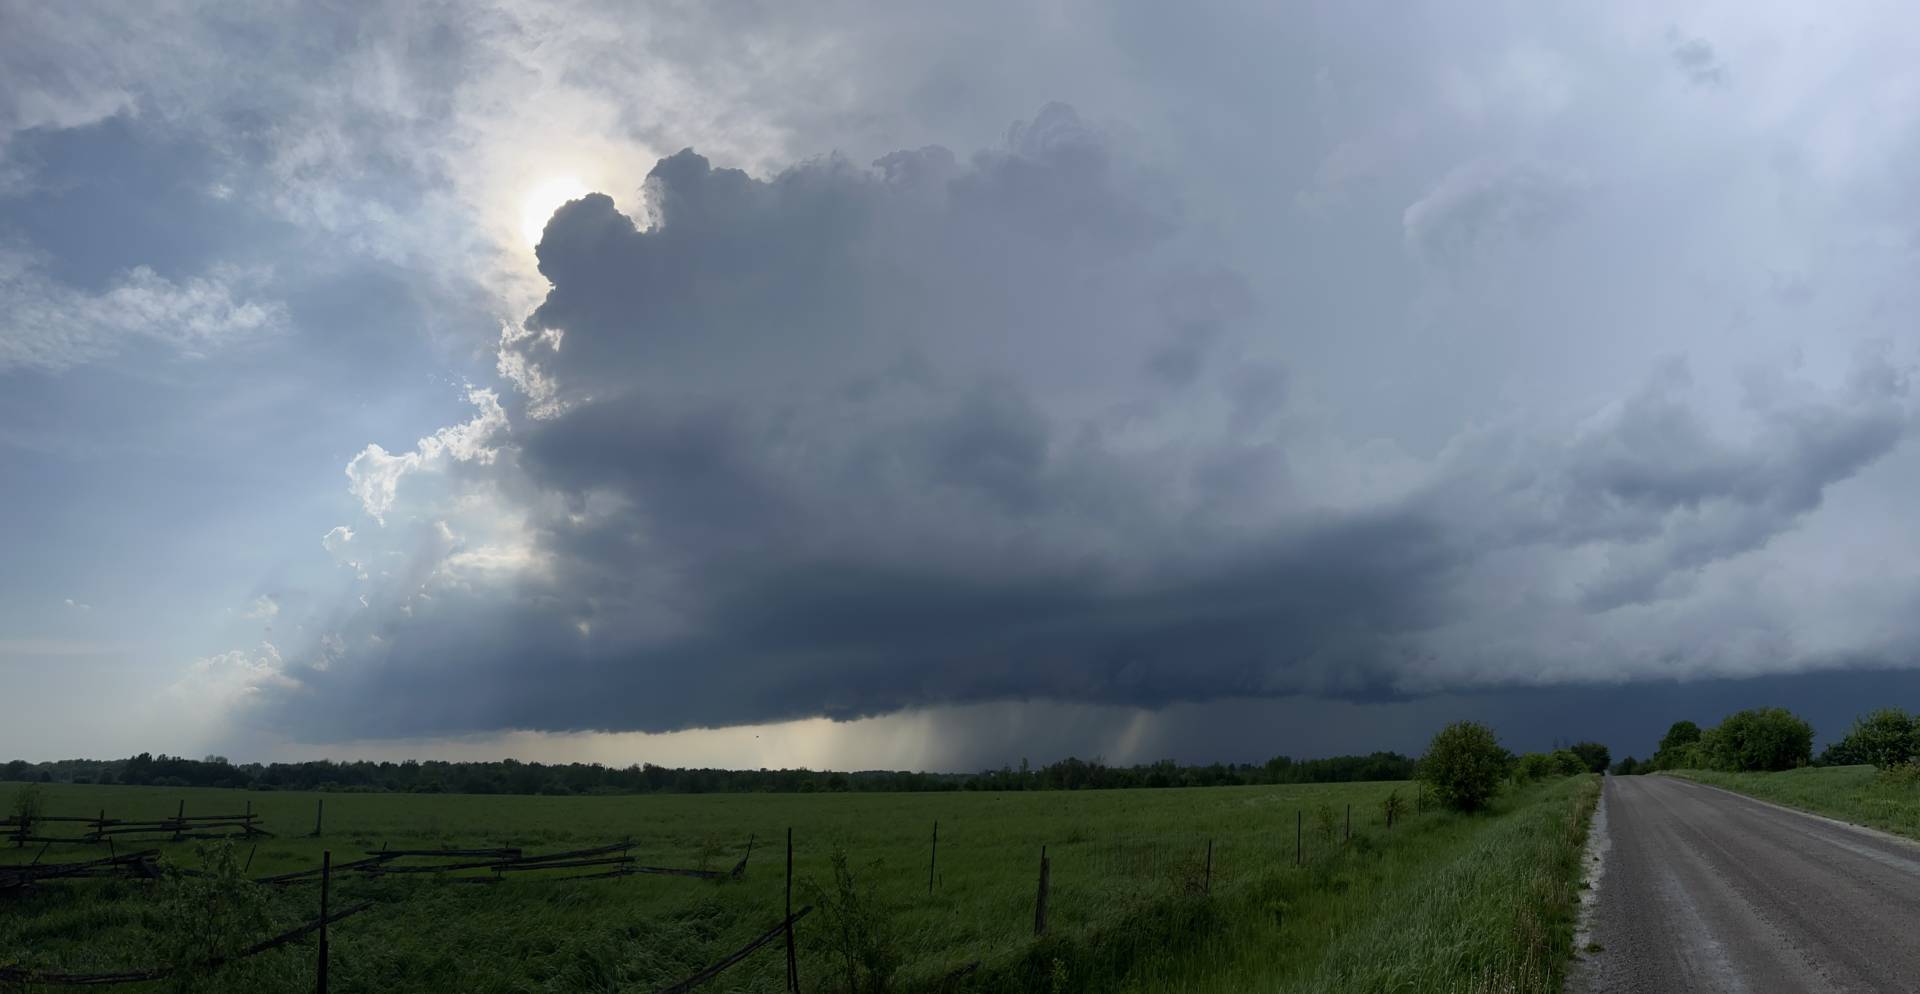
[793,964]
[326,878]
[1299,820]
[180,820]
[1040,901]
[319,809]
[933,859]
[1209,884]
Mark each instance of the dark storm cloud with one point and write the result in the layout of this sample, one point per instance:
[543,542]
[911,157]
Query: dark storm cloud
[847,441]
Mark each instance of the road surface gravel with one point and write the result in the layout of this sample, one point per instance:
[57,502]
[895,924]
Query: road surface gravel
[1707,890]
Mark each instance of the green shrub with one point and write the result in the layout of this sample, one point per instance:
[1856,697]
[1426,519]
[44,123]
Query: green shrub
[1567,763]
[1675,752]
[1884,738]
[210,914]
[1463,765]
[1594,755]
[1759,739]
[1535,766]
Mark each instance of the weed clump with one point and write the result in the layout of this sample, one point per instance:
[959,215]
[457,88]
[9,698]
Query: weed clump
[859,933]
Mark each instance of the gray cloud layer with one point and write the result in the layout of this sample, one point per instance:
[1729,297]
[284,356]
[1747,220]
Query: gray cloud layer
[850,440]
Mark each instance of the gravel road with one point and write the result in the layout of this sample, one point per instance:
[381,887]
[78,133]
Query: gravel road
[1705,890]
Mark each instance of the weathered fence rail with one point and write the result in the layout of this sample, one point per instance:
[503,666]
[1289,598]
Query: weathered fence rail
[734,958]
[20,975]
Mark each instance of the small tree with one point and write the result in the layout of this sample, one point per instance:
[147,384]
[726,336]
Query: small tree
[1463,765]
[28,803]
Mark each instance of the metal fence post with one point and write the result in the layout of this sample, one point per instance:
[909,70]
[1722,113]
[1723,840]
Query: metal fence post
[1040,902]
[326,879]
[793,964]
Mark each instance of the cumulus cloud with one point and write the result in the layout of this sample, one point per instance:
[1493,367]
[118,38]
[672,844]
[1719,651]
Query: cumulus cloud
[49,326]
[374,475]
[847,440]
[263,607]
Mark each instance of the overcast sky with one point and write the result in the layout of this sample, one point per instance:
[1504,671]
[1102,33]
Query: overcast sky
[912,385]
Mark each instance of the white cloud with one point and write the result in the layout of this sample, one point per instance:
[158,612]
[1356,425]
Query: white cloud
[374,475]
[48,326]
[263,607]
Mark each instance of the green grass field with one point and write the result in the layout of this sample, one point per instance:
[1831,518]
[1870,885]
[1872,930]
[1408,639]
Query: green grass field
[1857,794]
[1444,902]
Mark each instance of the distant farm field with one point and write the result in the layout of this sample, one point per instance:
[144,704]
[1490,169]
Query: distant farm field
[1442,902]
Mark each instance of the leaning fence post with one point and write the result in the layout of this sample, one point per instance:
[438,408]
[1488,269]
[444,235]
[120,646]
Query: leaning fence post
[326,878]
[934,858]
[1209,884]
[793,965]
[180,820]
[1040,901]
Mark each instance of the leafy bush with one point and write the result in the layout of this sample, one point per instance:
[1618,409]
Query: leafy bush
[1759,739]
[210,914]
[1884,738]
[1593,755]
[1567,763]
[858,931]
[1463,765]
[1536,766]
[1675,752]
[1393,808]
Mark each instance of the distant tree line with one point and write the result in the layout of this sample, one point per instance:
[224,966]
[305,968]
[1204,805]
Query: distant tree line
[514,777]
[1757,739]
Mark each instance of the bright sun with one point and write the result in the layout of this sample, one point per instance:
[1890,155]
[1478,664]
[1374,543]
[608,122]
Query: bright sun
[541,201]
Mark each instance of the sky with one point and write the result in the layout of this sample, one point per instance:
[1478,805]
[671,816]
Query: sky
[936,386]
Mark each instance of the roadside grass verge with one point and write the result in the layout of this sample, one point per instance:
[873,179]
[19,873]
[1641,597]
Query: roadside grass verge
[1465,903]
[1857,794]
